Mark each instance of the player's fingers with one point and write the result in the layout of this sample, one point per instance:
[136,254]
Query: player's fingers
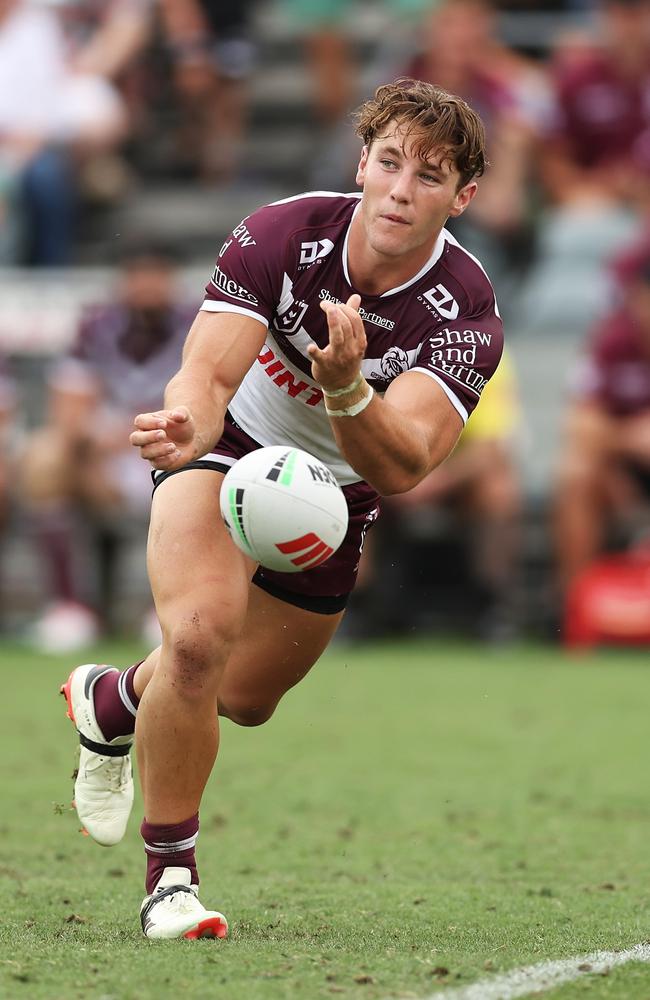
[354,319]
[353,340]
[154,452]
[334,318]
[165,462]
[150,421]
[315,353]
[140,438]
[354,301]
[179,414]
[343,331]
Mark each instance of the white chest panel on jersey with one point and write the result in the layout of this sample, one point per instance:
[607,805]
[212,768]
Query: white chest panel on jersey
[278,404]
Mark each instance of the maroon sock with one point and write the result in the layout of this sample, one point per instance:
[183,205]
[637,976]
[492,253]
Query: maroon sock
[116,702]
[170,846]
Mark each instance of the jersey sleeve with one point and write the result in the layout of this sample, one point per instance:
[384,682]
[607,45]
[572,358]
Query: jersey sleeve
[247,277]
[462,357]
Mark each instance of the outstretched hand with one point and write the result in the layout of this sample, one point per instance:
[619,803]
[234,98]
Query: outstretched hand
[165,438]
[339,363]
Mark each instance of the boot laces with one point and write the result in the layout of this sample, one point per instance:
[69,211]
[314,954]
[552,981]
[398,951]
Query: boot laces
[183,902]
[116,771]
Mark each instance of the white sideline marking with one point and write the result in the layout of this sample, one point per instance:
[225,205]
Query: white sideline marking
[544,976]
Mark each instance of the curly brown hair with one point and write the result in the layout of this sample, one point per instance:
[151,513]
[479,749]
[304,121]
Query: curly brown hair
[436,119]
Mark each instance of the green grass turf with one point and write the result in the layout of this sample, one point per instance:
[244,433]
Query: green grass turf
[415,816]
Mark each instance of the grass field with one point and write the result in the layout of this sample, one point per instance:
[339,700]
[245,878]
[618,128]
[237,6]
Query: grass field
[414,818]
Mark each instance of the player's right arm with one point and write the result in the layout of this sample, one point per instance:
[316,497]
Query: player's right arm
[219,350]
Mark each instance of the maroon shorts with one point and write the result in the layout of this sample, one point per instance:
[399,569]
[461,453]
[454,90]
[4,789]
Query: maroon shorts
[326,588]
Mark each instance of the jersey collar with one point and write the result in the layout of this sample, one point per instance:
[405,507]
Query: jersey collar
[433,259]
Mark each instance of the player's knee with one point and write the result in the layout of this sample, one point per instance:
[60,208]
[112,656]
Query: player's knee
[246,713]
[197,651]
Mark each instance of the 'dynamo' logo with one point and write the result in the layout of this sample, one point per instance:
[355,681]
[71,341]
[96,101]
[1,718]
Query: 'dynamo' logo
[443,301]
[310,252]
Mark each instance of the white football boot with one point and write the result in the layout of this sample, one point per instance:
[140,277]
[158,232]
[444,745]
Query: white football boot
[103,789]
[173,910]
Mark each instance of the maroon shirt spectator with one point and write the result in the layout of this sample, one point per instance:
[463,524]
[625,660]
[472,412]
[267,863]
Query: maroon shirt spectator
[78,470]
[131,352]
[599,137]
[603,113]
[615,372]
[605,462]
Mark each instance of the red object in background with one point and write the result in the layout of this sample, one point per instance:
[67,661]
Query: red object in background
[609,603]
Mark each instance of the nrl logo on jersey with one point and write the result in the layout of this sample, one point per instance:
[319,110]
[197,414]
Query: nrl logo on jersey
[442,301]
[289,321]
[290,310]
[311,252]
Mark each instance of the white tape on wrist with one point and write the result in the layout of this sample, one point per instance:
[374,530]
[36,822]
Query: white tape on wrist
[333,393]
[351,411]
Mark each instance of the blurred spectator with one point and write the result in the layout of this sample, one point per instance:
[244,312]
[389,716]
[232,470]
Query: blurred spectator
[58,108]
[478,490]
[460,51]
[212,56]
[104,39]
[594,164]
[325,27]
[537,6]
[8,400]
[104,36]
[8,414]
[79,472]
[599,149]
[604,467]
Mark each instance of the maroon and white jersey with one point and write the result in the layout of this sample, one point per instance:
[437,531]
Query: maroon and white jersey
[284,259]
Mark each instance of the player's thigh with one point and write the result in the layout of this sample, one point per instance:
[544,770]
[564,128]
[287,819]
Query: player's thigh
[279,644]
[199,579]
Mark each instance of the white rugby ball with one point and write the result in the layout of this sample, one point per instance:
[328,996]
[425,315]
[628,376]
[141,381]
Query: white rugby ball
[284,508]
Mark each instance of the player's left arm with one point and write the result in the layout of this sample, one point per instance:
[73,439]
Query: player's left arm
[397,441]
[392,442]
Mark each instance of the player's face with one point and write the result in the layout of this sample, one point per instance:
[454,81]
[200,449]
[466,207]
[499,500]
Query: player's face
[406,200]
